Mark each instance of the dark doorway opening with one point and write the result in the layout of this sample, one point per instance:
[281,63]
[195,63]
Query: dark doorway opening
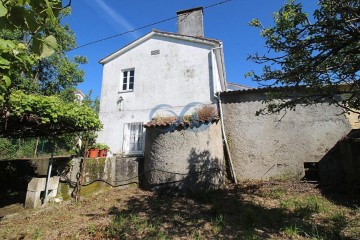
[311,172]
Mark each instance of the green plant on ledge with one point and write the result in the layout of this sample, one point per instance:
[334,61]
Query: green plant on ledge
[101,146]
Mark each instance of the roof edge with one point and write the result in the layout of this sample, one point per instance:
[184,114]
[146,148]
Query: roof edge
[147,36]
[190,10]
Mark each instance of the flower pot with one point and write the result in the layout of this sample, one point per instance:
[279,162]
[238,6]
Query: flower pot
[102,152]
[93,153]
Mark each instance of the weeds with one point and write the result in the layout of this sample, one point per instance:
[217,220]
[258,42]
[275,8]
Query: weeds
[250,235]
[303,206]
[315,234]
[218,223]
[275,193]
[91,229]
[249,218]
[38,234]
[197,235]
[125,226]
[291,231]
[252,211]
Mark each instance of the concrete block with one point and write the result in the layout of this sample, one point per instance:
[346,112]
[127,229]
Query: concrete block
[32,199]
[52,193]
[53,183]
[37,184]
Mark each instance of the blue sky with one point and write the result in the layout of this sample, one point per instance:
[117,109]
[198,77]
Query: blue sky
[96,19]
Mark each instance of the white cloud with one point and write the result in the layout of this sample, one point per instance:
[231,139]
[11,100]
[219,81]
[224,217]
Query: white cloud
[116,17]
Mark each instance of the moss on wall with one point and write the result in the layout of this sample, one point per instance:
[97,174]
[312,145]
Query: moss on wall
[94,168]
[64,191]
[93,188]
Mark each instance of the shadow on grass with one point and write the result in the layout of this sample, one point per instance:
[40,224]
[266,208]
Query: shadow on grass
[12,198]
[217,214]
[342,194]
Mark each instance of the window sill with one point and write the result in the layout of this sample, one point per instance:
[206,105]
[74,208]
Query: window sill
[133,155]
[125,91]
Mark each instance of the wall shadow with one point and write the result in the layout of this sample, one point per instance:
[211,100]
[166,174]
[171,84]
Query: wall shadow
[219,214]
[16,174]
[14,178]
[339,171]
[204,173]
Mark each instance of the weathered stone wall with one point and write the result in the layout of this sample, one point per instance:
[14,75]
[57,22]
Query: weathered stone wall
[118,171]
[277,145]
[15,175]
[188,159]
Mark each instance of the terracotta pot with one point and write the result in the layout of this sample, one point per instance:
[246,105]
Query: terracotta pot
[102,152]
[93,153]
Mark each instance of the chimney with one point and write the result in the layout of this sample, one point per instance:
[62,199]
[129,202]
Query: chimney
[190,22]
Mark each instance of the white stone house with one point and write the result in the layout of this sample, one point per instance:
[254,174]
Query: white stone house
[159,74]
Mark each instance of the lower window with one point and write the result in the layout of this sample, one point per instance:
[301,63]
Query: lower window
[134,138]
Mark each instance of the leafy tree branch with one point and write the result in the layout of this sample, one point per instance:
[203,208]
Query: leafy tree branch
[320,58]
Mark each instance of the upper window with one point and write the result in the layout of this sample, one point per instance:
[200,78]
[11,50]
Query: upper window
[128,80]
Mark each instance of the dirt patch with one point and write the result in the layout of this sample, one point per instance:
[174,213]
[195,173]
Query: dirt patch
[251,210]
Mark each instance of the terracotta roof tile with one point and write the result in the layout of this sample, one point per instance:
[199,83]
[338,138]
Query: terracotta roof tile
[182,121]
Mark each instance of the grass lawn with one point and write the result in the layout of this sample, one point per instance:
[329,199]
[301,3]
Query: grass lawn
[250,210]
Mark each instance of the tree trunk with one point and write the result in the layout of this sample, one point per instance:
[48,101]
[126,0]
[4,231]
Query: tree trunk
[81,177]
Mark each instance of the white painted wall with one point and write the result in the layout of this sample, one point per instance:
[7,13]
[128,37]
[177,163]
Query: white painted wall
[183,72]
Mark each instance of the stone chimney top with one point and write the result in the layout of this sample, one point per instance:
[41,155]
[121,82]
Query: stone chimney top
[190,22]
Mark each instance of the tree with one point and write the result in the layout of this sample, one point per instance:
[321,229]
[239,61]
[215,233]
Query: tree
[53,74]
[34,72]
[317,58]
[28,19]
[58,73]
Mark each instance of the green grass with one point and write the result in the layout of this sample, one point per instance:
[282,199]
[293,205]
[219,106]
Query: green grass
[275,193]
[291,231]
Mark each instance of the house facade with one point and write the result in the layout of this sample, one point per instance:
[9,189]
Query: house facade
[160,74]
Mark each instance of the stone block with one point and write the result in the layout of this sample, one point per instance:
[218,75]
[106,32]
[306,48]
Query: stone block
[53,183]
[52,193]
[37,184]
[32,199]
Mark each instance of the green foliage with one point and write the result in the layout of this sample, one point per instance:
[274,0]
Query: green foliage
[54,115]
[322,58]
[101,146]
[37,79]
[15,148]
[17,56]
[58,72]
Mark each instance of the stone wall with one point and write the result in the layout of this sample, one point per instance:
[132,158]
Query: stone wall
[187,159]
[278,145]
[100,173]
[15,176]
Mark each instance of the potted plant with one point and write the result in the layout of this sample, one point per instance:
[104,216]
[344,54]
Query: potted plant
[93,151]
[103,148]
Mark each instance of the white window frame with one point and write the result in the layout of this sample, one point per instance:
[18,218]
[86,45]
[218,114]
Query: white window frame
[126,80]
[134,138]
